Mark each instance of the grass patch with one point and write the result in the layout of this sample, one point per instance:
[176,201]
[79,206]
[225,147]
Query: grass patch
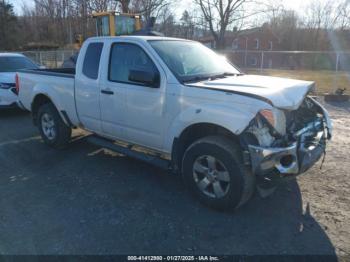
[326,81]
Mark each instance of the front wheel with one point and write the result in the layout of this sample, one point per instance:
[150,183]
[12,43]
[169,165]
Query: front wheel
[213,169]
[53,130]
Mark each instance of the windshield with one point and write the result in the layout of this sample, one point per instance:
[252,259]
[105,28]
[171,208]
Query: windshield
[15,63]
[192,61]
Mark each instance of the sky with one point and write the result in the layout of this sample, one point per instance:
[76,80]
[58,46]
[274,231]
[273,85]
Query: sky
[296,5]
[18,4]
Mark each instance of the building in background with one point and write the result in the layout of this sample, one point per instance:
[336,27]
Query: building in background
[244,47]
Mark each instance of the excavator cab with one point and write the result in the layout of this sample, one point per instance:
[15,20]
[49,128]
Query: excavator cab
[114,24]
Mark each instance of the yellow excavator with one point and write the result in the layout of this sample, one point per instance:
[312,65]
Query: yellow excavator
[113,23]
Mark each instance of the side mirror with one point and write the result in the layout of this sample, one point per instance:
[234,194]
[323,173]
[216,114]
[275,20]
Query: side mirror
[150,79]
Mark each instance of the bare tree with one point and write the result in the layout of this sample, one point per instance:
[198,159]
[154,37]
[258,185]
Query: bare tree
[187,25]
[334,14]
[286,26]
[101,5]
[343,19]
[166,22]
[149,8]
[124,5]
[221,14]
[319,18]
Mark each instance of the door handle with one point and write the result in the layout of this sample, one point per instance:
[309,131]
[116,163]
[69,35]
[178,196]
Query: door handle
[107,92]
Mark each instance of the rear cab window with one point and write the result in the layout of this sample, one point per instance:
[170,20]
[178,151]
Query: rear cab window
[92,60]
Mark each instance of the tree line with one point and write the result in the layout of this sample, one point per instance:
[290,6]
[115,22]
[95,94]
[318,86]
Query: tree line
[56,22]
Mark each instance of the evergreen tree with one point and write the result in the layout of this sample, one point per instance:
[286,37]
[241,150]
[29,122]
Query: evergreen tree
[8,26]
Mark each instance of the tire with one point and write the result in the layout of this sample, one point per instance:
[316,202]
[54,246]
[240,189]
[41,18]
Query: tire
[229,184]
[50,122]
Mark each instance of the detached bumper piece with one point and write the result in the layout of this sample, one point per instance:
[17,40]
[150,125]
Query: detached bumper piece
[287,161]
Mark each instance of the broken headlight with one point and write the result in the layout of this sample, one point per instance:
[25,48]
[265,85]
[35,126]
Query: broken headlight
[276,119]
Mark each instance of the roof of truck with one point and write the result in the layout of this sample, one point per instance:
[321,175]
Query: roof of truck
[139,37]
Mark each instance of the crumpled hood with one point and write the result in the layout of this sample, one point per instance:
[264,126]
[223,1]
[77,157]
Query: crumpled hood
[8,78]
[282,93]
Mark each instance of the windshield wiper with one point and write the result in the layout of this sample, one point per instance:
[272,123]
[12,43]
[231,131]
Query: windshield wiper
[223,75]
[195,79]
[209,77]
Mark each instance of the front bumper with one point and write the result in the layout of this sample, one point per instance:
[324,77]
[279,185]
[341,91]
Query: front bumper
[305,149]
[287,161]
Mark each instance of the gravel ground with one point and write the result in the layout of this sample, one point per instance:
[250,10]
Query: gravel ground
[327,191]
[86,200]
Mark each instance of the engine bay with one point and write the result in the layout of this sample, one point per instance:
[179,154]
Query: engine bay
[307,121]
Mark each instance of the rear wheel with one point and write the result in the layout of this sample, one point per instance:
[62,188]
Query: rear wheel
[213,169]
[52,129]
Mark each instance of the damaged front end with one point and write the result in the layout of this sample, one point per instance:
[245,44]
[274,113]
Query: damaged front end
[281,143]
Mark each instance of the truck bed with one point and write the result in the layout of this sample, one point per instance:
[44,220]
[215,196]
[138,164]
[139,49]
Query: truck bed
[60,72]
[56,84]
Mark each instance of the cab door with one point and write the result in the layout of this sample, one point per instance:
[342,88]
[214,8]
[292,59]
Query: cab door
[144,105]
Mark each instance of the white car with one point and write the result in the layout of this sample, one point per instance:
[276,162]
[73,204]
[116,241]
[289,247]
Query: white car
[187,108]
[10,63]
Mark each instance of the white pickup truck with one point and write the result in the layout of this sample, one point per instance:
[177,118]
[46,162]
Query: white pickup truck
[185,106]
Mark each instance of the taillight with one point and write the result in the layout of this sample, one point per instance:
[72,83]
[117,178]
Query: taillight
[17,84]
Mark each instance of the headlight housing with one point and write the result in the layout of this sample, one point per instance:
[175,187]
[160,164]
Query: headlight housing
[276,118]
[268,115]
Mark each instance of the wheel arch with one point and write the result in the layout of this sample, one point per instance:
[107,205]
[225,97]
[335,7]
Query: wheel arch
[41,99]
[194,132]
